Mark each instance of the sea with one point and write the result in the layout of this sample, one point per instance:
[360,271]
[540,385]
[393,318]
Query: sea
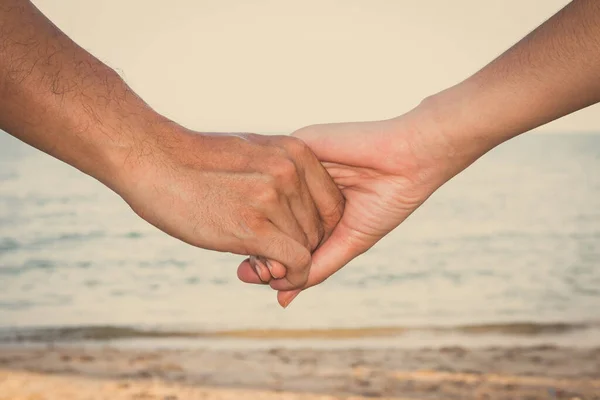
[506,252]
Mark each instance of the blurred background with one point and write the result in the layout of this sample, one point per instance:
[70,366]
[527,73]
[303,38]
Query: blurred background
[491,290]
[511,246]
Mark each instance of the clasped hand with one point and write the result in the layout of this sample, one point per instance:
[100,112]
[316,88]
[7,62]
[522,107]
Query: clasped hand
[241,193]
[301,206]
[383,179]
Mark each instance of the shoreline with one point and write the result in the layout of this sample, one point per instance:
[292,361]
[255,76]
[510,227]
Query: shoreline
[105,332]
[445,373]
[475,337]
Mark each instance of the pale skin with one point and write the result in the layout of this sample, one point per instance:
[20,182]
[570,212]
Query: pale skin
[241,193]
[387,169]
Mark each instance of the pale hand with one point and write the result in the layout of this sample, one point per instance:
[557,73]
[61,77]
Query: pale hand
[383,177]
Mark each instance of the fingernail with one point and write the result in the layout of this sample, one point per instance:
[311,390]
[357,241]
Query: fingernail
[290,300]
[269,266]
[257,270]
[263,268]
[254,263]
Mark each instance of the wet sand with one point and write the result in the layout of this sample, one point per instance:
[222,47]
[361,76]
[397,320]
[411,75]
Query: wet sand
[66,372]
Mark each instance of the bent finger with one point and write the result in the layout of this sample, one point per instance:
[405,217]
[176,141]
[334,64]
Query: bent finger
[342,247]
[275,245]
[247,274]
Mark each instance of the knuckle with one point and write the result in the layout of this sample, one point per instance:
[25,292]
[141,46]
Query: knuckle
[296,279]
[273,154]
[293,146]
[299,260]
[285,171]
[267,194]
[303,260]
[297,146]
[253,222]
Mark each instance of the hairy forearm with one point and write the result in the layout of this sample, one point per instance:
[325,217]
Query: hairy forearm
[552,72]
[57,97]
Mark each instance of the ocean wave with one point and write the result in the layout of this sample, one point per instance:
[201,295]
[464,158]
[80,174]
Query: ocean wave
[8,244]
[107,333]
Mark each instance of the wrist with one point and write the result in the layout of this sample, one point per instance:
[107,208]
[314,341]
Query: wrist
[132,149]
[449,133]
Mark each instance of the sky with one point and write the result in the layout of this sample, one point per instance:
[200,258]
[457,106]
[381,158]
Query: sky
[276,65]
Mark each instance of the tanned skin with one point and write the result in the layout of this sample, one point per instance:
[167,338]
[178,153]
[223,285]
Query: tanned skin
[242,193]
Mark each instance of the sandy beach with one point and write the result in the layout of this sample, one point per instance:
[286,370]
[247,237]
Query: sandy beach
[67,372]
[482,294]
[28,386]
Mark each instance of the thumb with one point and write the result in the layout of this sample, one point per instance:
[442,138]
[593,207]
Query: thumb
[342,247]
[346,143]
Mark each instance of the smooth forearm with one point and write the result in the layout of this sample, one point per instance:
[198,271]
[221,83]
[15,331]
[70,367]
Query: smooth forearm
[59,98]
[387,169]
[552,72]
